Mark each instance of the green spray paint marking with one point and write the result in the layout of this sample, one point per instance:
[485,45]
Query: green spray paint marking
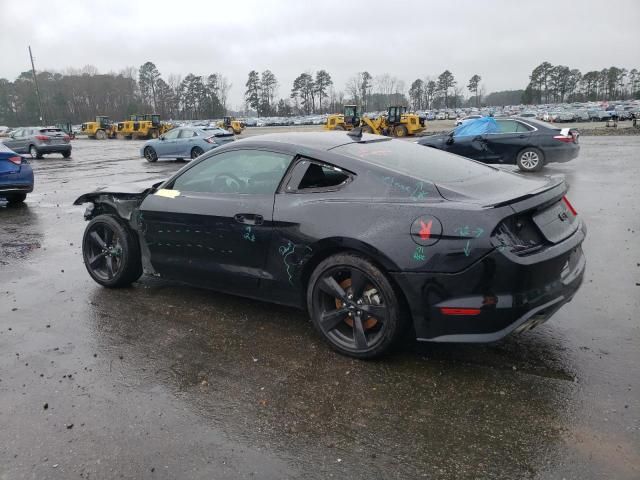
[419,255]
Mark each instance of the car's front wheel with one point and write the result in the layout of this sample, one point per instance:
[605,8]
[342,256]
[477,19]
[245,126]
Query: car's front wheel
[354,306]
[150,154]
[196,152]
[111,252]
[530,160]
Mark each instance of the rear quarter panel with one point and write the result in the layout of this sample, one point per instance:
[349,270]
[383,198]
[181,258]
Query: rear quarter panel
[373,216]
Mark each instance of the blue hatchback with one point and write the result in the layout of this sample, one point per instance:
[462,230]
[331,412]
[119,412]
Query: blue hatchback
[185,142]
[16,176]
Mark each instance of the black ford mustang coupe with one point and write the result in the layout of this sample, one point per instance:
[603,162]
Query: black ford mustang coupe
[371,235]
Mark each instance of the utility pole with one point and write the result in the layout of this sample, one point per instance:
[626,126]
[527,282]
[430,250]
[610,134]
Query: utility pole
[35,81]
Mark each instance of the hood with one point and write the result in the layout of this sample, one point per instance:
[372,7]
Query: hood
[130,190]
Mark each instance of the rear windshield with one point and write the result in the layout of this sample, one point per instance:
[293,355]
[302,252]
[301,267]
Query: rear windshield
[416,161]
[50,130]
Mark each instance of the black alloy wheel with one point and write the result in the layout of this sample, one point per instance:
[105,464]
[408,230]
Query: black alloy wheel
[111,252]
[150,154]
[196,152]
[354,306]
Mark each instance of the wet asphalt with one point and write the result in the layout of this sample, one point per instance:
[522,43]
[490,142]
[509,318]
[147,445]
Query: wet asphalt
[171,382]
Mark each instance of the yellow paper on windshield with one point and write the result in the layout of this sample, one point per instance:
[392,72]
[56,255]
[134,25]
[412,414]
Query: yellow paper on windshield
[167,193]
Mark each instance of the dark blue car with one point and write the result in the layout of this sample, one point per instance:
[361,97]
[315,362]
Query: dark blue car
[16,176]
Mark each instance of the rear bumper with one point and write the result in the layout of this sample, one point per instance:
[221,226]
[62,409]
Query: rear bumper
[19,182]
[562,153]
[59,148]
[498,295]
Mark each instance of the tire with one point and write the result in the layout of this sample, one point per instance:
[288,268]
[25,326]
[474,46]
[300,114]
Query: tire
[339,315]
[154,133]
[111,252]
[66,154]
[150,154]
[16,198]
[340,127]
[400,131]
[530,160]
[367,129]
[231,130]
[101,135]
[33,151]
[196,152]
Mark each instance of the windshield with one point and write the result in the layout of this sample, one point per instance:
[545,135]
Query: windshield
[424,163]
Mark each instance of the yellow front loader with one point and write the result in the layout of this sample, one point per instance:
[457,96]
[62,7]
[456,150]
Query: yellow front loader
[348,120]
[142,126]
[102,128]
[231,125]
[397,123]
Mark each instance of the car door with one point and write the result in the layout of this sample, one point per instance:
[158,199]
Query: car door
[212,224]
[470,146]
[185,142]
[165,146]
[16,141]
[503,146]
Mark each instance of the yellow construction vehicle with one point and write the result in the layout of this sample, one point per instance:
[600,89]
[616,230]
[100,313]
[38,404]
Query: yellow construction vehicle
[348,120]
[142,126]
[231,125]
[102,128]
[397,123]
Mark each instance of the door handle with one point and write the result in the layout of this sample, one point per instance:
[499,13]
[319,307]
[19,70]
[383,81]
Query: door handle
[522,136]
[248,218]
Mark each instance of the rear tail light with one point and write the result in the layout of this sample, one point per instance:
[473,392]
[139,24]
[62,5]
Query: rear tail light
[210,139]
[569,206]
[16,160]
[564,138]
[66,138]
[42,137]
[464,312]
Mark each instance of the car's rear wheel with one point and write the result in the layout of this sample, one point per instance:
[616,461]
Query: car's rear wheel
[150,154]
[16,198]
[354,306]
[530,160]
[33,151]
[196,152]
[111,252]
[66,154]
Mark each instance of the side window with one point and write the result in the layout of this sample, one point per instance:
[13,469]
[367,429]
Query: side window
[172,134]
[186,133]
[310,175]
[253,172]
[507,126]
[17,133]
[522,128]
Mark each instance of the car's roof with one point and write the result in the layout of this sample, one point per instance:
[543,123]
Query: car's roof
[315,140]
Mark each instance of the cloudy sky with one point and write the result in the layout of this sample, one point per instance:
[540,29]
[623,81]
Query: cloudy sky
[501,40]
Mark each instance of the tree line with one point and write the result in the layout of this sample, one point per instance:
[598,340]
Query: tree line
[79,95]
[558,83]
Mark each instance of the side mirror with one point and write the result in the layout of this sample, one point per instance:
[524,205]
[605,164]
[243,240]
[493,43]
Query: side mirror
[450,139]
[162,137]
